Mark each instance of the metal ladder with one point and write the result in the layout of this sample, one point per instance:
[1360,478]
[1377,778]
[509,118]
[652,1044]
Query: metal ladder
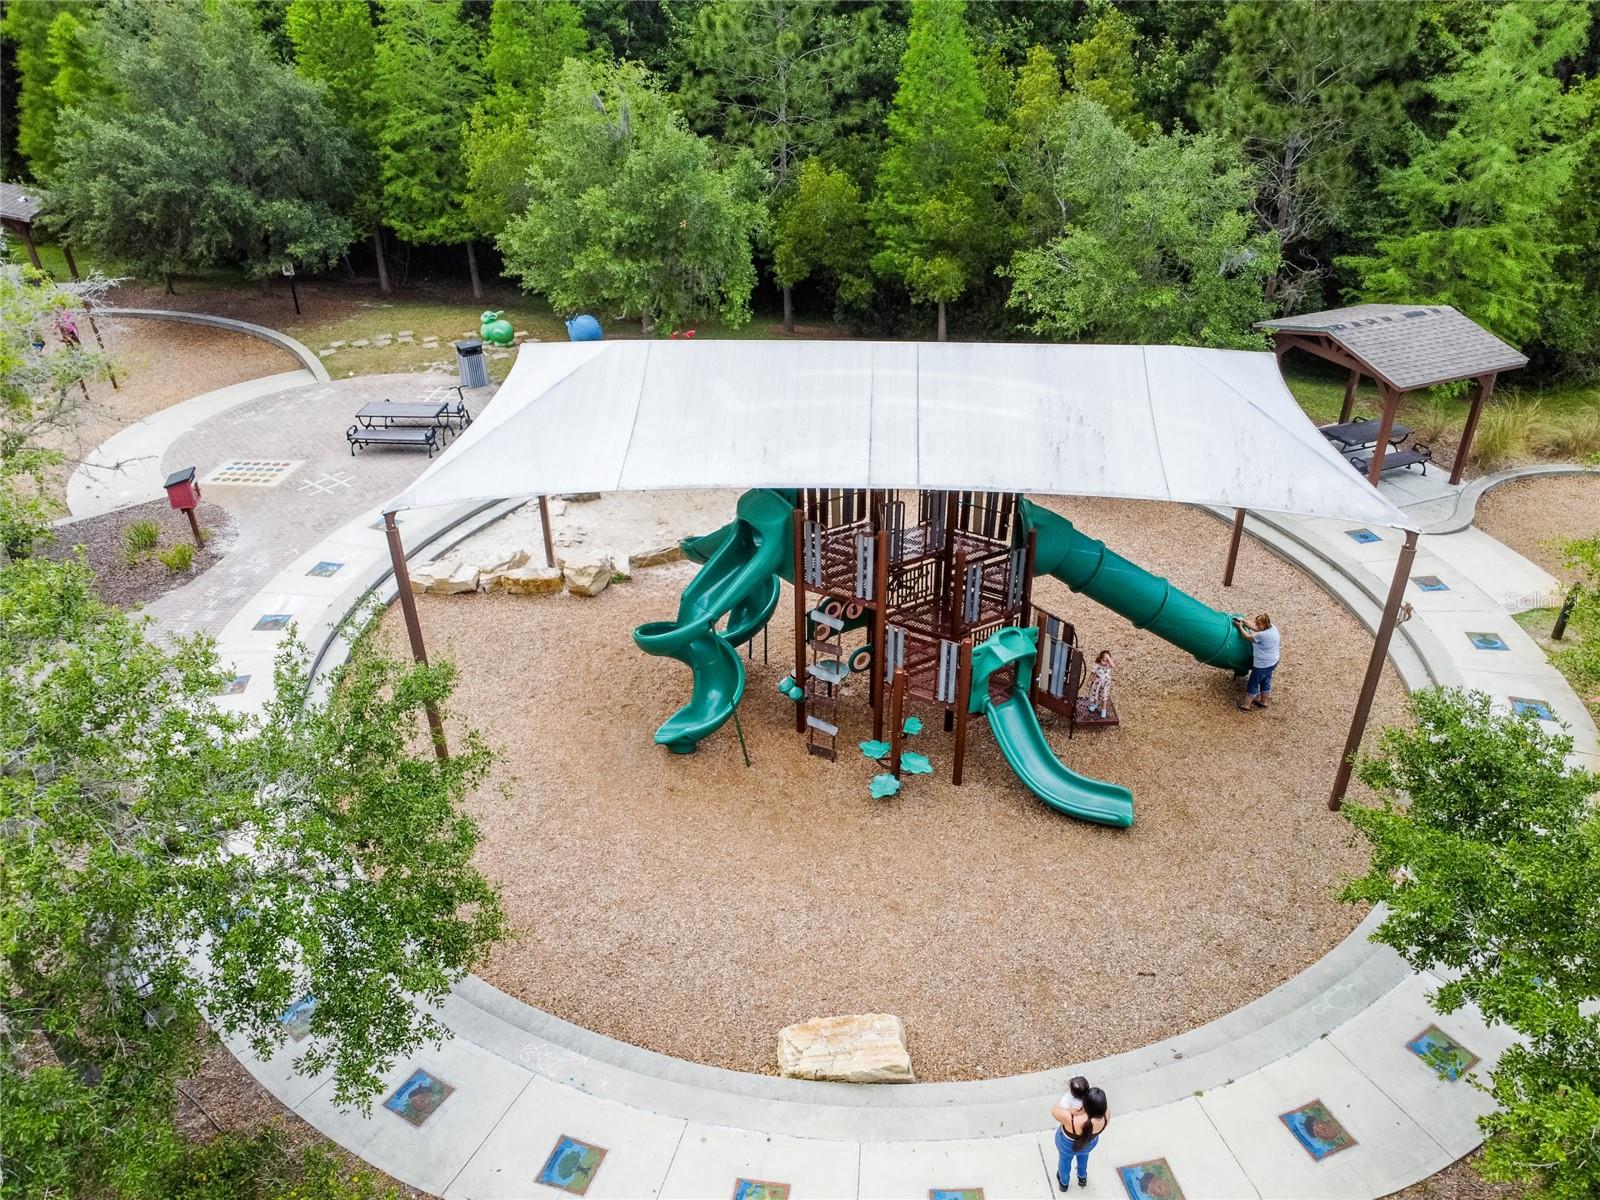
[825,674]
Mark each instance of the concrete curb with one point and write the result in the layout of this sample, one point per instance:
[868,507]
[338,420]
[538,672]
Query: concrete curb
[1467,501]
[307,359]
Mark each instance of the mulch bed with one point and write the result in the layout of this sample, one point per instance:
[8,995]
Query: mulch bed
[129,584]
[1529,514]
[694,906]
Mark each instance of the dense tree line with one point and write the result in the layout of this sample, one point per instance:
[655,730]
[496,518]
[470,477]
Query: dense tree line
[1147,170]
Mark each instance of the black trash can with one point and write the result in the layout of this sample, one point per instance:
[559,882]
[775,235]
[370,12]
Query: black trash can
[471,364]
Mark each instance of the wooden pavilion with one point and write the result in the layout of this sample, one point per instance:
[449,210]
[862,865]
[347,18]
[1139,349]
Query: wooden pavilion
[19,205]
[1401,348]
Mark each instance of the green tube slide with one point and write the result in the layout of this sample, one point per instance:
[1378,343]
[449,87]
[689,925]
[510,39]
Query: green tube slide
[745,564]
[1016,729]
[1086,566]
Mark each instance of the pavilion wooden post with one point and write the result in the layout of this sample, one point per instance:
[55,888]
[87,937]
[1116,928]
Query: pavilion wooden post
[880,630]
[1233,547]
[408,608]
[1483,389]
[1391,402]
[799,521]
[1369,685]
[72,263]
[544,525]
[1350,388]
[963,702]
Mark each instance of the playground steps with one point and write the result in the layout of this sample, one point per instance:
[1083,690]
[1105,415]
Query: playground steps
[1084,719]
[825,673]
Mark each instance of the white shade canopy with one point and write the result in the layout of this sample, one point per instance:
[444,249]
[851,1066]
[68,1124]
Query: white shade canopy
[1133,422]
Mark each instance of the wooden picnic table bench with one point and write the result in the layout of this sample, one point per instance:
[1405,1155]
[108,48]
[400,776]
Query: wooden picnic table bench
[1418,456]
[393,435]
[1359,435]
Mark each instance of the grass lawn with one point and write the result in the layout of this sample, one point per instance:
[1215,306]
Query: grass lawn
[1576,656]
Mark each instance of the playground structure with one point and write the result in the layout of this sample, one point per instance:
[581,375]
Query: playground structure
[939,587]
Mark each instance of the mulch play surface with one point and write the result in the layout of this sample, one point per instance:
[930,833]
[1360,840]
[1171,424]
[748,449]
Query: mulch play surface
[694,906]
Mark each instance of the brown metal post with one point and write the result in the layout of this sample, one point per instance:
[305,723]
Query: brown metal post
[408,608]
[1350,388]
[1369,685]
[799,522]
[544,525]
[956,592]
[1391,401]
[880,628]
[1480,396]
[897,720]
[194,528]
[963,701]
[1041,662]
[1023,617]
[1233,547]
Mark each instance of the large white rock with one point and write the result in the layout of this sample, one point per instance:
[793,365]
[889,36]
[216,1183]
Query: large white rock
[452,579]
[529,581]
[588,579]
[659,556]
[864,1048]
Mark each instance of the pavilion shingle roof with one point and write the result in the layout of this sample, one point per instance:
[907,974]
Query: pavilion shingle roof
[18,203]
[1408,345]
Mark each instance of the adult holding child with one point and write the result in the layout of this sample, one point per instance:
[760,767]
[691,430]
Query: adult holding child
[1081,1116]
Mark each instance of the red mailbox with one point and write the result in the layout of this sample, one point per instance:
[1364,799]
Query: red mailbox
[182,489]
[183,493]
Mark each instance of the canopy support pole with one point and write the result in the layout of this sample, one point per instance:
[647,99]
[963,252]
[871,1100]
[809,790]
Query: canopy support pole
[544,524]
[1369,685]
[1233,547]
[408,608]
[1353,383]
[1391,402]
[1483,389]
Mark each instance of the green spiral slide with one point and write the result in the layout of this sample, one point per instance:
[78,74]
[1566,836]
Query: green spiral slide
[746,562]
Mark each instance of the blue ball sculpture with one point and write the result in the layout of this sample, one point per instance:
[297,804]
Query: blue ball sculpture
[584,328]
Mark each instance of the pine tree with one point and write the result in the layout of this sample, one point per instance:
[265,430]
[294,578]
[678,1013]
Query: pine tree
[1477,208]
[822,226]
[26,32]
[425,82]
[334,44]
[935,208]
[1102,68]
[527,45]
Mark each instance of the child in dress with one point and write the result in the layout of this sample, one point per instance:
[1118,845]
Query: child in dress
[1100,685]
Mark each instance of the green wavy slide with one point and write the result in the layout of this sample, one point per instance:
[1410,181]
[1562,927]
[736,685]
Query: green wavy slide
[746,562]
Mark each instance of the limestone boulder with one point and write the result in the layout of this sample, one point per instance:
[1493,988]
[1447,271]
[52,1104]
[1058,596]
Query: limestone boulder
[588,579]
[863,1048]
[530,581]
[659,556]
[495,565]
[451,579]
[581,497]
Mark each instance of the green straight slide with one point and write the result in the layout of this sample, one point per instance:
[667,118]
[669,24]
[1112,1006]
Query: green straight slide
[1016,728]
[1085,565]
[746,562]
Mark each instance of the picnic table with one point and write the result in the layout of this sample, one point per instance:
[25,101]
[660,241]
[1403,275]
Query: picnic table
[439,413]
[1358,435]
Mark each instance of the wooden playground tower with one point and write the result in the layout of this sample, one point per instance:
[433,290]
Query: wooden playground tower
[928,575]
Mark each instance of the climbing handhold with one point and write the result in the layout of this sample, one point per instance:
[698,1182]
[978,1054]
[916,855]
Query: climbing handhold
[912,763]
[913,726]
[884,785]
[874,749]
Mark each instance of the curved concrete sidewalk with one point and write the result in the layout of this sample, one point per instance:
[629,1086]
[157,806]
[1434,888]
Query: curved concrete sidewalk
[521,1094]
[308,359]
[126,468]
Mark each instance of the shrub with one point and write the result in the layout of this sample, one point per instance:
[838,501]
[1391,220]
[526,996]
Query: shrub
[1508,433]
[139,539]
[178,557]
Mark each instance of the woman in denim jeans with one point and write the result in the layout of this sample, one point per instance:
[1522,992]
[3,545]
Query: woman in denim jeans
[1078,1133]
[1264,644]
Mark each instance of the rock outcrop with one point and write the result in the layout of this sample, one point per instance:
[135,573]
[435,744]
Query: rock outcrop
[864,1048]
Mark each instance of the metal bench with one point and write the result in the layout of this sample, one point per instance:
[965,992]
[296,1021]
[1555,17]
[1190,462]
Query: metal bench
[1396,460]
[394,435]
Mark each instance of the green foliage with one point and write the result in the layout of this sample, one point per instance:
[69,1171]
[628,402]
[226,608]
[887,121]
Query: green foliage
[1153,242]
[527,45]
[822,226]
[425,82]
[79,76]
[1486,856]
[778,76]
[41,393]
[140,538]
[629,210]
[39,41]
[1476,208]
[935,208]
[1507,433]
[1102,68]
[217,154]
[1315,100]
[178,557]
[318,849]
